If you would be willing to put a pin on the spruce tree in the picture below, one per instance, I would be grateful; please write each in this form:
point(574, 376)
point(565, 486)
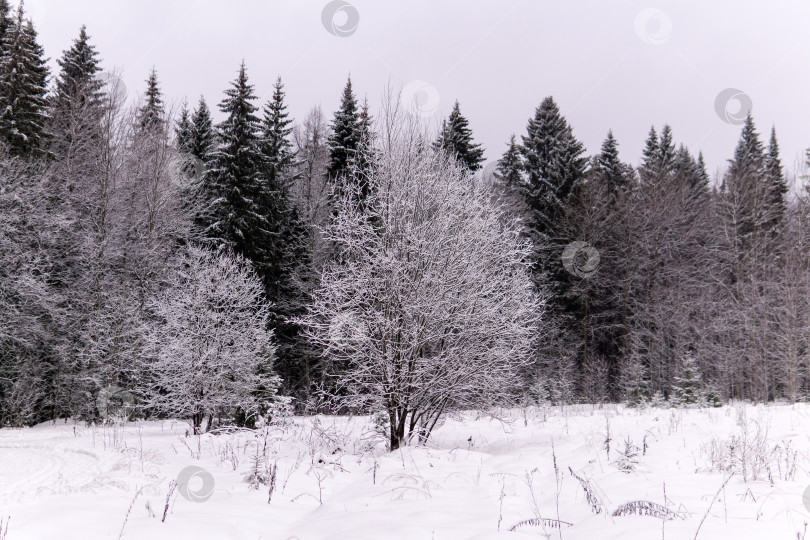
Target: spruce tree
point(238, 220)
point(749, 155)
point(365, 146)
point(684, 166)
point(702, 174)
point(745, 184)
point(554, 175)
point(666, 150)
point(77, 104)
point(201, 144)
point(151, 114)
point(510, 167)
point(202, 139)
point(456, 139)
point(777, 186)
point(182, 129)
point(608, 168)
point(23, 85)
point(554, 167)
point(649, 156)
point(687, 385)
point(343, 143)
point(286, 249)
point(658, 161)
point(634, 382)
point(246, 213)
point(507, 178)
point(276, 129)
point(5, 22)
point(189, 163)
point(77, 85)
point(39, 70)
point(282, 220)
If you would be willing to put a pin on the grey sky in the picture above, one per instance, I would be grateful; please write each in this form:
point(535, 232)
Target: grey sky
point(604, 66)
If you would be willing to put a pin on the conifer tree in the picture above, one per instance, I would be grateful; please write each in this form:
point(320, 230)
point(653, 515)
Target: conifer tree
point(510, 166)
point(634, 382)
point(23, 85)
point(365, 144)
point(5, 22)
point(238, 221)
point(554, 167)
point(151, 114)
point(248, 214)
point(702, 174)
point(182, 129)
point(343, 143)
point(77, 85)
point(684, 166)
point(186, 160)
point(555, 172)
point(508, 181)
point(666, 150)
point(40, 72)
point(777, 186)
point(649, 156)
point(658, 161)
point(276, 129)
point(202, 146)
point(77, 105)
point(687, 385)
point(609, 169)
point(282, 220)
point(745, 187)
point(287, 249)
point(456, 139)
point(749, 155)
point(202, 136)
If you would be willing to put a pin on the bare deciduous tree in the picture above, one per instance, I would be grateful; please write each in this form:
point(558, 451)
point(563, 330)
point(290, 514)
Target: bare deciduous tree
point(210, 349)
point(428, 306)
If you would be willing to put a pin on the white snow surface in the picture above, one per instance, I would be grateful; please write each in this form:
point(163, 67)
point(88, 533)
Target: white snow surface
point(478, 476)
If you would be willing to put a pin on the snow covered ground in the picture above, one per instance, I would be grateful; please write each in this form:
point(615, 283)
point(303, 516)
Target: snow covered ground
point(477, 477)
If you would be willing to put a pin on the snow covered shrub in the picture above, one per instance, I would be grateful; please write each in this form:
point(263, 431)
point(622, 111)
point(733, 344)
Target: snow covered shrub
point(745, 453)
point(435, 279)
point(210, 350)
point(749, 449)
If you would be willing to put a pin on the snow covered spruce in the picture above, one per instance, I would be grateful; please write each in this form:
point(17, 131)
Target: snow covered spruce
point(428, 305)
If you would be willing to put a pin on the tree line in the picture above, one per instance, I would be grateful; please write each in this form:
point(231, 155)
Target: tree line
point(367, 264)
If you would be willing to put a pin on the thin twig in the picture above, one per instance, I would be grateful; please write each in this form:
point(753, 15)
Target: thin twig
point(711, 504)
point(137, 493)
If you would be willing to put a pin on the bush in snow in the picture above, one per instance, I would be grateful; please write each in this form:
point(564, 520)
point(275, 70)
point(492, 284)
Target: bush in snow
point(428, 305)
point(211, 352)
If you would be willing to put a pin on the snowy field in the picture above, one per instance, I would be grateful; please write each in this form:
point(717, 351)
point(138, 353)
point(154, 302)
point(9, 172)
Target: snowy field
point(478, 477)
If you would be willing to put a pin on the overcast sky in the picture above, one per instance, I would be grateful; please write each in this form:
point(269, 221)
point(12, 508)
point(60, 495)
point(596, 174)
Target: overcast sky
point(621, 64)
